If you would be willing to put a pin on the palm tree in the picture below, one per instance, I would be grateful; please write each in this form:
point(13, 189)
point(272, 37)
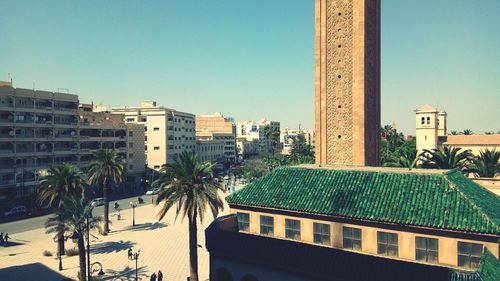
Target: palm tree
point(59, 183)
point(467, 132)
point(272, 135)
point(76, 213)
point(190, 186)
point(486, 165)
point(406, 159)
point(106, 168)
point(446, 158)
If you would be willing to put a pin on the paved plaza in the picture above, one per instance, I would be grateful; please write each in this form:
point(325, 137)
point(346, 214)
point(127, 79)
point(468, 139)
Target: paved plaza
point(164, 246)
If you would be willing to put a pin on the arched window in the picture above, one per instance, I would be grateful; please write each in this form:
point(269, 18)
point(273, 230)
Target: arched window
point(222, 274)
point(249, 277)
point(428, 120)
point(423, 121)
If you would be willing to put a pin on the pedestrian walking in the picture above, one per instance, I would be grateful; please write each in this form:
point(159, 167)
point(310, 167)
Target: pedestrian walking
point(1, 239)
point(160, 275)
point(129, 253)
point(153, 277)
point(6, 238)
point(119, 215)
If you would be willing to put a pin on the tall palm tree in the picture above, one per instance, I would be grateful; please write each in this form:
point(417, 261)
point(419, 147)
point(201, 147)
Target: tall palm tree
point(190, 186)
point(60, 182)
point(487, 164)
point(446, 158)
point(406, 159)
point(106, 168)
point(76, 214)
point(272, 135)
point(467, 132)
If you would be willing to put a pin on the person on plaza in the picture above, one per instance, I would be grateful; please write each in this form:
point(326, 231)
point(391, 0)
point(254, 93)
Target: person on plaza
point(119, 215)
point(129, 253)
point(6, 238)
point(160, 275)
point(1, 239)
point(153, 277)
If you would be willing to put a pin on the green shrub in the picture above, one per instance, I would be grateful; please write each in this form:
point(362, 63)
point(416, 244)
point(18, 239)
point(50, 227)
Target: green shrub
point(71, 252)
point(47, 253)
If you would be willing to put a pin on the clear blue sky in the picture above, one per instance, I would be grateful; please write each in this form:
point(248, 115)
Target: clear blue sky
point(251, 58)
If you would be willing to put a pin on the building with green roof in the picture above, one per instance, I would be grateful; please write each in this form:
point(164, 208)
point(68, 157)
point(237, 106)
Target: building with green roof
point(427, 221)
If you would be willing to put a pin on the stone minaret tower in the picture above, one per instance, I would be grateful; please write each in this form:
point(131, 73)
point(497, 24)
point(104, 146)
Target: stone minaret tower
point(347, 82)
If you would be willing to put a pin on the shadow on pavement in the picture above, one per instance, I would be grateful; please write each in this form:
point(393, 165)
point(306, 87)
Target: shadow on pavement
point(30, 272)
point(128, 273)
point(146, 226)
point(12, 244)
point(111, 246)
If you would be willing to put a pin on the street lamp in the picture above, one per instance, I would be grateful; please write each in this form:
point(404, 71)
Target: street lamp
point(133, 205)
point(135, 256)
point(89, 216)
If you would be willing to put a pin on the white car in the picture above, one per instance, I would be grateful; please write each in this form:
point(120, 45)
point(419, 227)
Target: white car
point(153, 191)
point(16, 211)
point(97, 202)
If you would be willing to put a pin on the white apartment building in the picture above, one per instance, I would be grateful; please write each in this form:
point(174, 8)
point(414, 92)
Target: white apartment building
point(246, 148)
point(255, 130)
point(218, 127)
point(168, 132)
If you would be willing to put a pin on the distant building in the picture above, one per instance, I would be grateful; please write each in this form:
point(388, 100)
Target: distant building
point(246, 148)
point(431, 133)
point(168, 132)
point(357, 223)
point(255, 130)
point(218, 127)
point(210, 150)
point(287, 139)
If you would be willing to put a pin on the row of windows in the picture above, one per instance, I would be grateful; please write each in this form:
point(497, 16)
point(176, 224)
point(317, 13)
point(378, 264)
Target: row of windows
point(426, 249)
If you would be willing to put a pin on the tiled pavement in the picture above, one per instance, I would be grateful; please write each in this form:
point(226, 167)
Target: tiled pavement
point(164, 246)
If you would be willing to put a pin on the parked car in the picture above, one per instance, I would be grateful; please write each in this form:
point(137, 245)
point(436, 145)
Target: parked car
point(153, 191)
point(39, 211)
point(97, 202)
point(16, 211)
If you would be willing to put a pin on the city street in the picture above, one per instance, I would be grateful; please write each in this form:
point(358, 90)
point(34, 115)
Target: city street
point(38, 222)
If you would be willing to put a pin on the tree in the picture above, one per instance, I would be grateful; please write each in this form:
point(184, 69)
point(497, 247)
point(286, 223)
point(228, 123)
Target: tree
point(106, 168)
point(254, 169)
point(391, 140)
point(446, 158)
point(272, 135)
point(301, 152)
point(404, 159)
point(76, 213)
point(486, 165)
point(190, 186)
point(59, 183)
point(467, 132)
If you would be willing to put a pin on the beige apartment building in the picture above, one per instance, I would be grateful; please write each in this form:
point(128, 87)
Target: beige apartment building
point(168, 132)
point(221, 128)
point(431, 133)
point(41, 129)
point(210, 150)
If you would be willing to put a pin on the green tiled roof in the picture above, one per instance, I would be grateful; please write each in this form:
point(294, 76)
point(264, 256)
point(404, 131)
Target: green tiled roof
point(445, 200)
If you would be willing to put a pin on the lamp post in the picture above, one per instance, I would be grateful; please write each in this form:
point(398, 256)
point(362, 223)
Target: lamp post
point(135, 256)
point(133, 205)
point(89, 216)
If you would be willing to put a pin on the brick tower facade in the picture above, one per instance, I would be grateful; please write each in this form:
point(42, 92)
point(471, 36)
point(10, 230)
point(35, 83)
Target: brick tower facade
point(347, 82)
